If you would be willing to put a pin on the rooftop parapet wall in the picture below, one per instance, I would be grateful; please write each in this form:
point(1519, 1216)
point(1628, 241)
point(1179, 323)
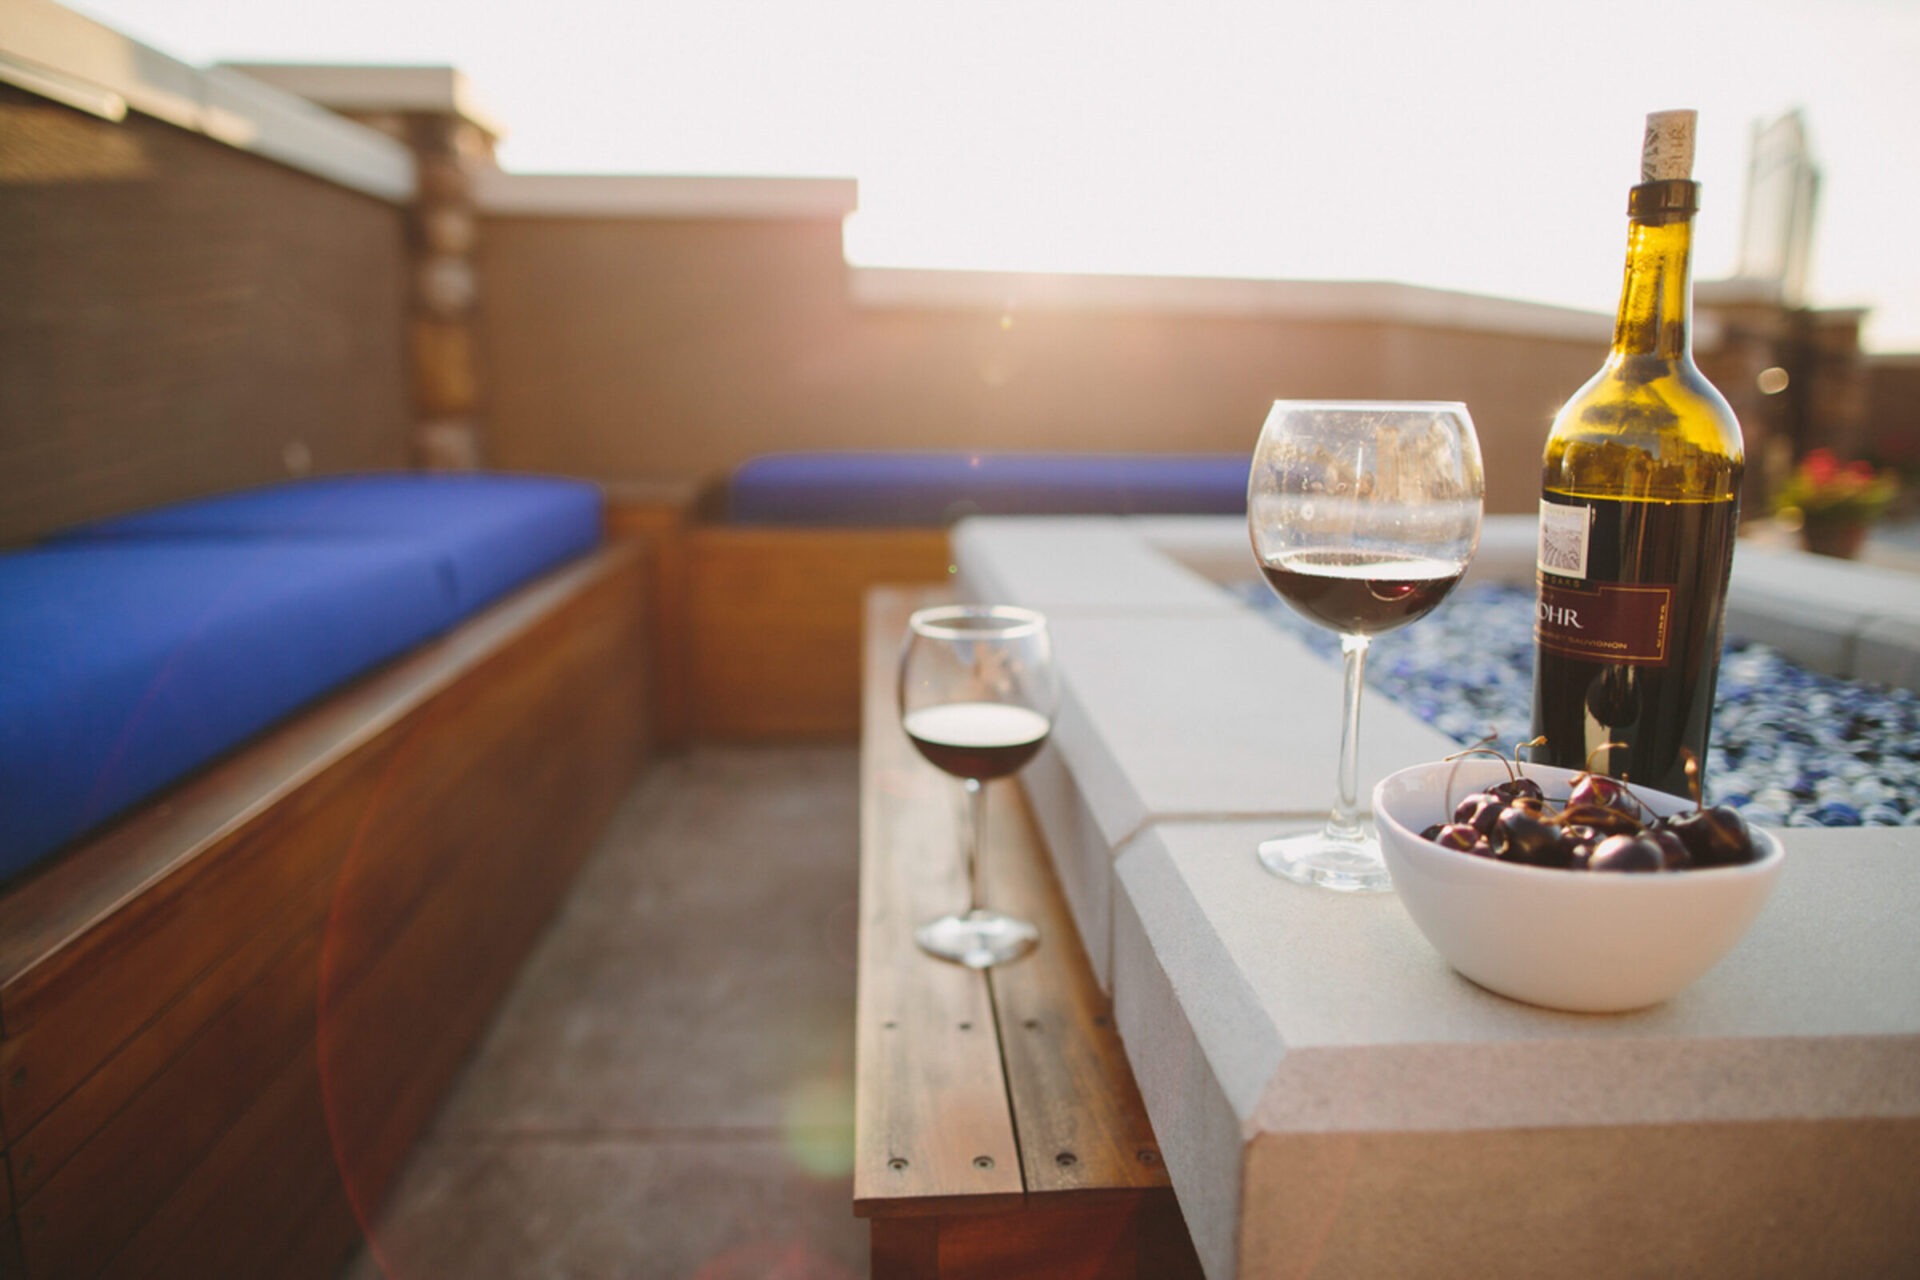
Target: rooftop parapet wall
point(627, 328)
point(205, 279)
point(676, 343)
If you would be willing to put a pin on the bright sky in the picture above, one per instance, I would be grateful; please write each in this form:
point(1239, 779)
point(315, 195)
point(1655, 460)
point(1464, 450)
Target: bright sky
point(1483, 145)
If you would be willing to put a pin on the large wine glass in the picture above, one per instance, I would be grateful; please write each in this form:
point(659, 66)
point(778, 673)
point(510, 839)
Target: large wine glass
point(1363, 516)
point(977, 695)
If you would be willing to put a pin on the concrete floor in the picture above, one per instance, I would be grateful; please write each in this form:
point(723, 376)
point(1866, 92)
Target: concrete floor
point(667, 1090)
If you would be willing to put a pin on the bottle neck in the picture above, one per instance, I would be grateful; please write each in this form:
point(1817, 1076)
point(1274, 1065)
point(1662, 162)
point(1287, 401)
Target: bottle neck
point(1656, 302)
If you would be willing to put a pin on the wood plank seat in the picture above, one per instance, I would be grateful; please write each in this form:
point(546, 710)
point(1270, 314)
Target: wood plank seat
point(998, 1129)
point(225, 1018)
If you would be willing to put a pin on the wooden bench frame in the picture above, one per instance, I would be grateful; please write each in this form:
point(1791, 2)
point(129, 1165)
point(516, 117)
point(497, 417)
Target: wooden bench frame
point(998, 1129)
point(225, 1019)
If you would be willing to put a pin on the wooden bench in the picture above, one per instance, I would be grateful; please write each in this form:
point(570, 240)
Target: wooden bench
point(998, 1129)
point(224, 1019)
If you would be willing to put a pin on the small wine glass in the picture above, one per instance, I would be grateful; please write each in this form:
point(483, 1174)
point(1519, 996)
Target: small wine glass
point(1363, 516)
point(977, 694)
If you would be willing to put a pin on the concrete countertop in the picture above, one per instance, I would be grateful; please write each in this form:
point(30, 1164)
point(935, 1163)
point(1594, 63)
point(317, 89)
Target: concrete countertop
point(1330, 1097)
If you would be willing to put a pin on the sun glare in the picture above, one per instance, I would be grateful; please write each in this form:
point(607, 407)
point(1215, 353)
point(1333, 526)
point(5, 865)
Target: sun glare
point(1479, 146)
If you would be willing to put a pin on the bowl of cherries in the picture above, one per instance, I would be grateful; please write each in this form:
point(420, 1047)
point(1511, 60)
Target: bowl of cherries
point(1568, 889)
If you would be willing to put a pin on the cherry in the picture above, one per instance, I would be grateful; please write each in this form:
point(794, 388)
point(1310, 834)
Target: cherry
point(1457, 835)
point(1480, 811)
point(1517, 788)
point(1575, 846)
point(1716, 837)
point(1601, 791)
point(1674, 854)
point(1519, 836)
point(1626, 853)
point(1535, 805)
point(1602, 826)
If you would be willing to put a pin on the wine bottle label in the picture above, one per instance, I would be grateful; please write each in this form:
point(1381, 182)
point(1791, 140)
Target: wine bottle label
point(1624, 622)
point(1564, 534)
point(1605, 622)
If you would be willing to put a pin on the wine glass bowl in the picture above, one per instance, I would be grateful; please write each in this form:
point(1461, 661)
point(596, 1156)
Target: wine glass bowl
point(977, 693)
point(1363, 515)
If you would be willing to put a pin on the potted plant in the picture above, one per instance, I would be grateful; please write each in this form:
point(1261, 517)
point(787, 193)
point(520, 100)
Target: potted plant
point(1834, 502)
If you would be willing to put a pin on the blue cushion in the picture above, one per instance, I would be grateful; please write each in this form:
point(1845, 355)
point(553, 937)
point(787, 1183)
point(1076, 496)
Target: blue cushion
point(125, 664)
point(938, 488)
point(492, 532)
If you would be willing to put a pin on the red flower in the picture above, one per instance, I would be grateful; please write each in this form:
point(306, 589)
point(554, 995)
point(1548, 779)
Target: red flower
point(1820, 467)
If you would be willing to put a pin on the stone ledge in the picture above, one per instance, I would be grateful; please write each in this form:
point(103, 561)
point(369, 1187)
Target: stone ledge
point(580, 195)
point(100, 68)
point(1266, 1021)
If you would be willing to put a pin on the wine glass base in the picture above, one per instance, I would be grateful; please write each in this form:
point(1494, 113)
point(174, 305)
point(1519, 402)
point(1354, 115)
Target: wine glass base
point(978, 939)
point(1350, 866)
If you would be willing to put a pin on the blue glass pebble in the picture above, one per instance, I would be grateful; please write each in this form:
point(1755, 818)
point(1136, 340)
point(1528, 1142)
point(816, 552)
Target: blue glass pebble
point(1791, 746)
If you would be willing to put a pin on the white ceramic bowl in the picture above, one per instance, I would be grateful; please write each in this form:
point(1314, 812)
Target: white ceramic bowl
point(1589, 941)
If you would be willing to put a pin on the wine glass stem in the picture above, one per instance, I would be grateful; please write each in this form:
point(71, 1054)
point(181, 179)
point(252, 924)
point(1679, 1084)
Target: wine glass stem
point(976, 840)
point(1344, 824)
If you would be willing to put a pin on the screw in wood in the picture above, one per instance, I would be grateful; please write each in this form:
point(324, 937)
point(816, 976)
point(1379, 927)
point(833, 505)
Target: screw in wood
point(983, 1162)
point(966, 1026)
point(897, 1164)
point(1149, 1157)
point(1031, 1024)
point(1066, 1159)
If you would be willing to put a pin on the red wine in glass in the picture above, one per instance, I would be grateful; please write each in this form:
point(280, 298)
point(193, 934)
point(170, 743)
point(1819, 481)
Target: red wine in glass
point(1361, 592)
point(979, 740)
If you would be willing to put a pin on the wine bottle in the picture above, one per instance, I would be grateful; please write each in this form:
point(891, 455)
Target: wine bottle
point(1639, 507)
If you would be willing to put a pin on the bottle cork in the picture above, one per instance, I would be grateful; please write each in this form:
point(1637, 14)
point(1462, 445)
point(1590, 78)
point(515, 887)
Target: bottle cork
point(1667, 151)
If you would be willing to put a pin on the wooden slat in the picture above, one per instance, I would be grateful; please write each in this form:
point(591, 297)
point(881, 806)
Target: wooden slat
point(12, 1267)
point(1094, 1200)
point(67, 1017)
point(86, 1211)
point(275, 1157)
point(1082, 1123)
point(932, 1128)
point(45, 1148)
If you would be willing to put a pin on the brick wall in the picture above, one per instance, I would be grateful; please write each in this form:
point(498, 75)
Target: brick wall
point(179, 317)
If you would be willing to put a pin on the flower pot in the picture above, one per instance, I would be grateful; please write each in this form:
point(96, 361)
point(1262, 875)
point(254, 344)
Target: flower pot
point(1839, 538)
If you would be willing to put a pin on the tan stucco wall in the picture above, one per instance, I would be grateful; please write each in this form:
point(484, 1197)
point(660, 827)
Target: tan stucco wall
point(675, 348)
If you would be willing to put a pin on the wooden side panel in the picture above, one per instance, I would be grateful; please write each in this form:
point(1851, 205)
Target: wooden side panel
point(773, 623)
point(11, 1265)
point(44, 1148)
point(1115, 1238)
point(86, 1211)
point(273, 1165)
point(549, 753)
point(68, 1014)
point(325, 1020)
point(931, 1117)
point(660, 521)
